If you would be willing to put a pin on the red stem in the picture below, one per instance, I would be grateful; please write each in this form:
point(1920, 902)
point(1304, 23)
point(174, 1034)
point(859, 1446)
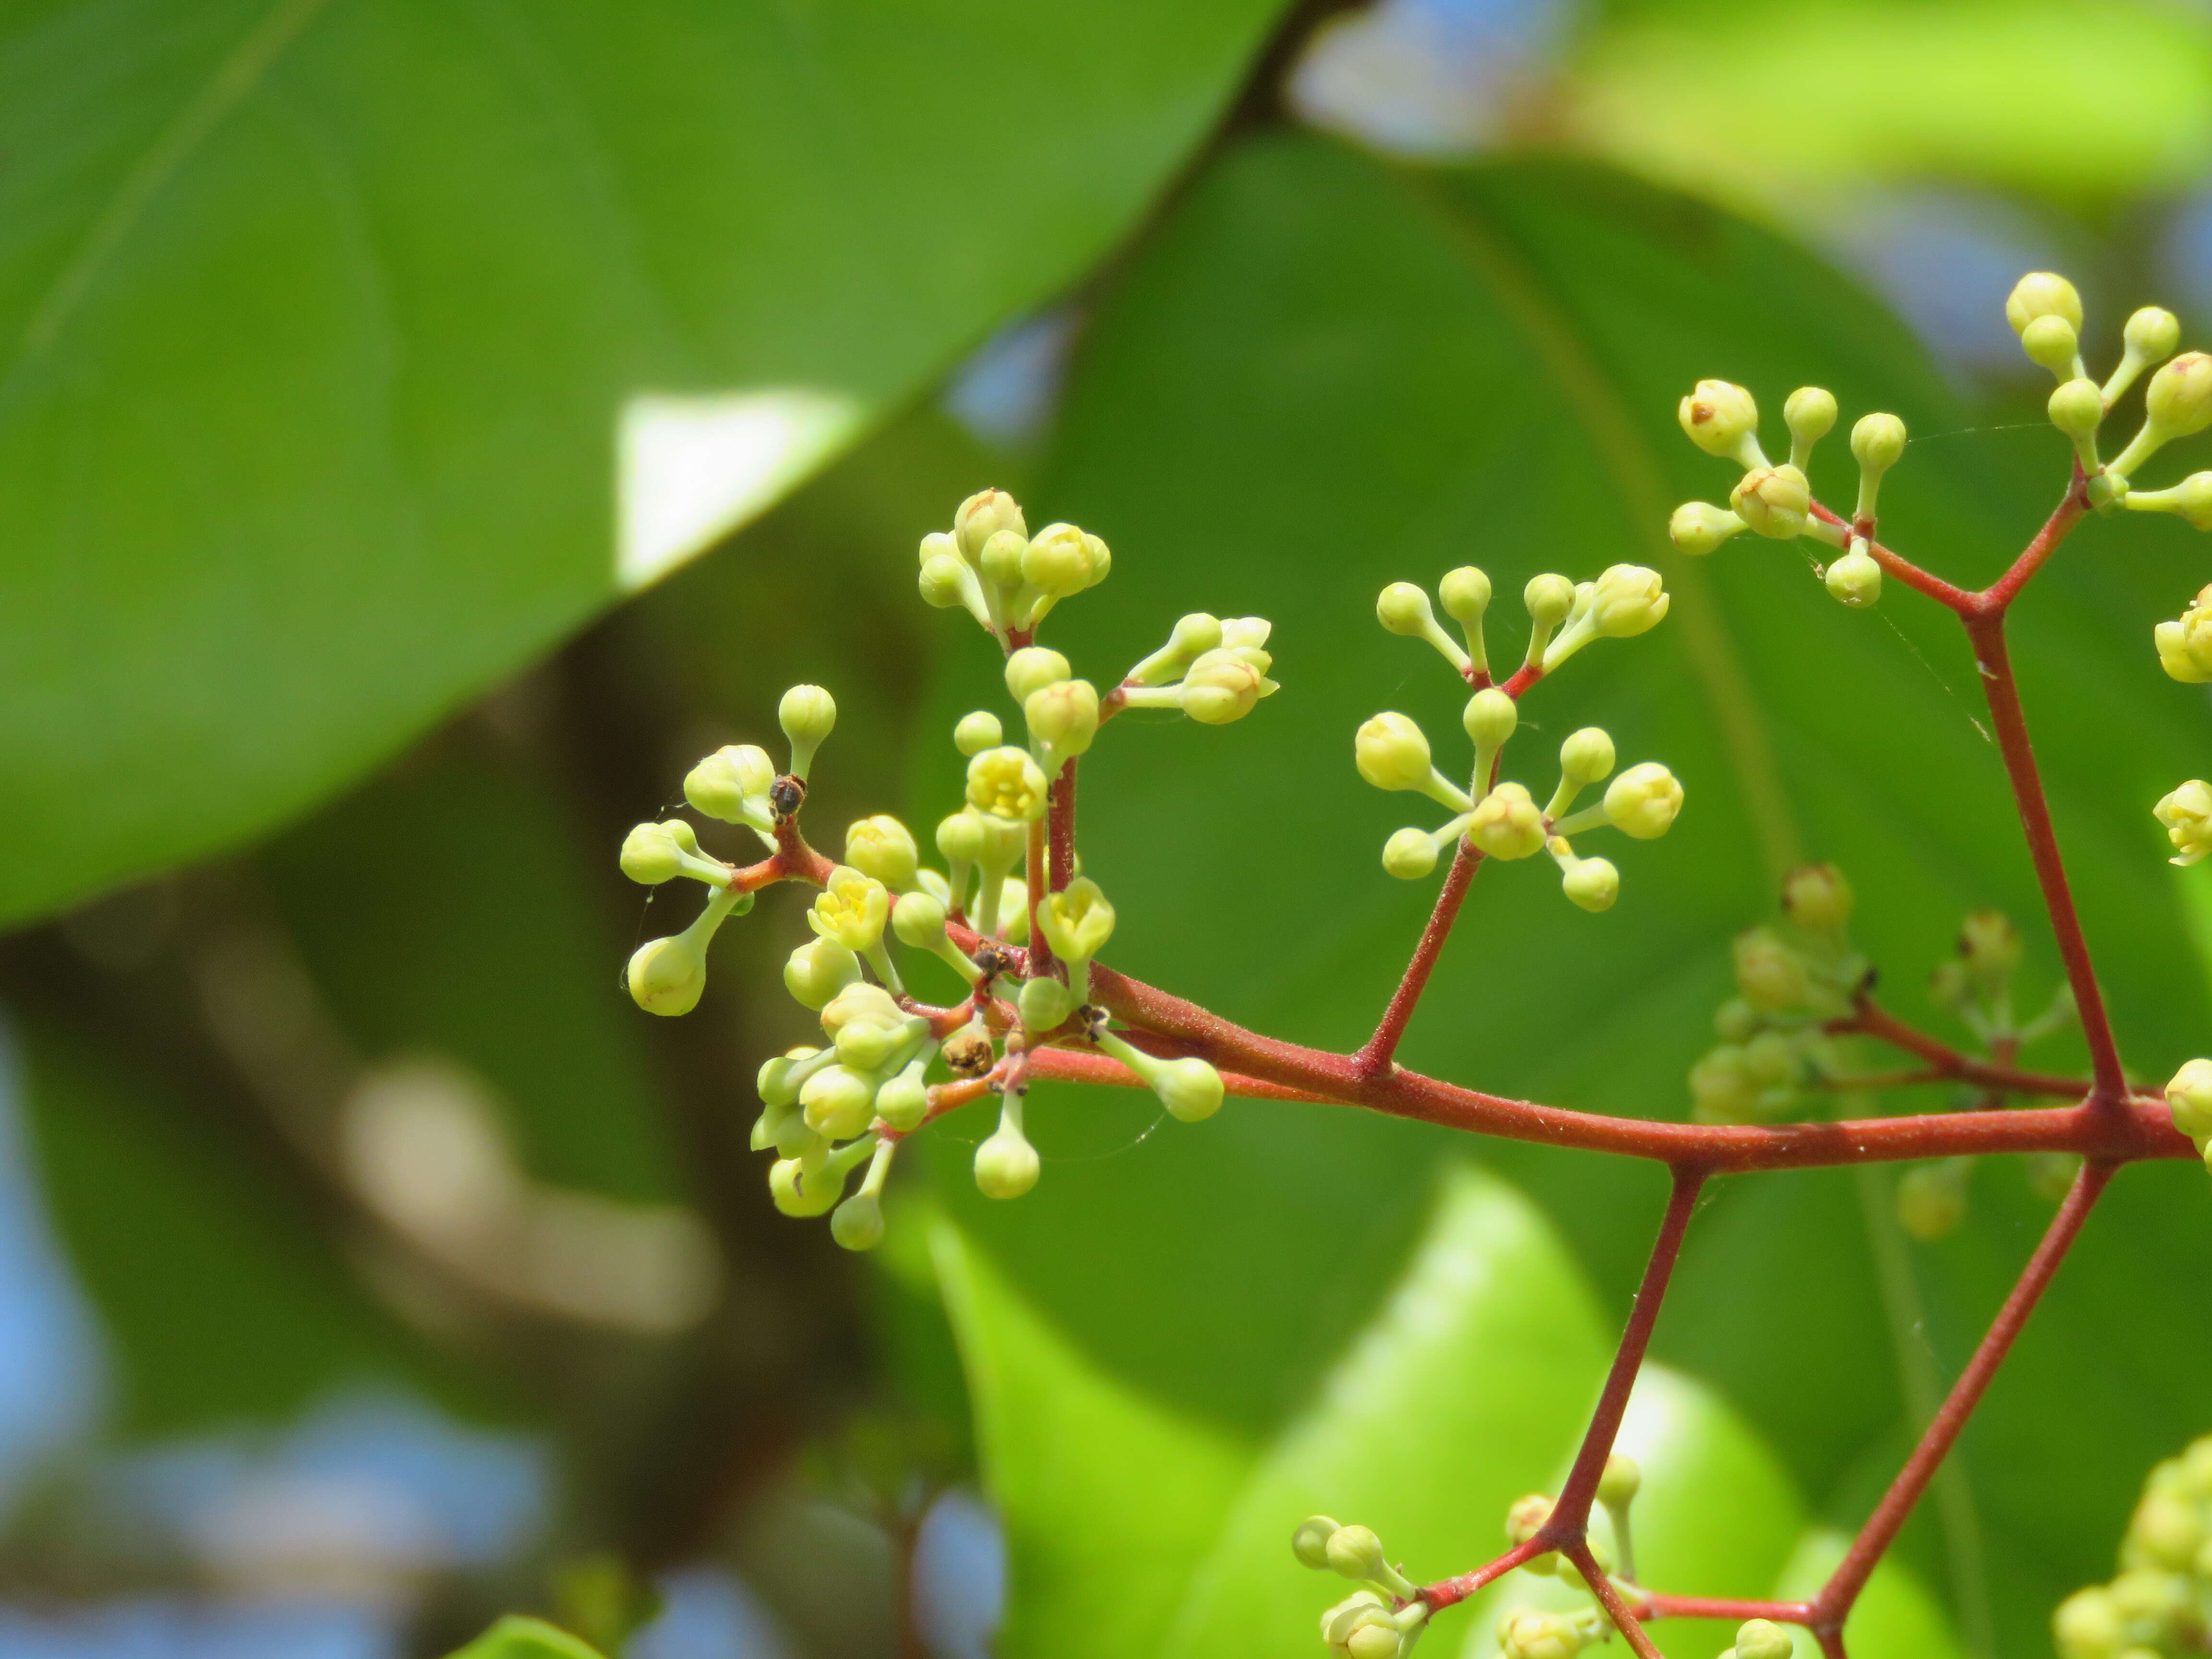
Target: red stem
point(1060, 818)
point(1871, 1019)
point(1376, 1056)
point(1833, 1604)
point(1609, 1598)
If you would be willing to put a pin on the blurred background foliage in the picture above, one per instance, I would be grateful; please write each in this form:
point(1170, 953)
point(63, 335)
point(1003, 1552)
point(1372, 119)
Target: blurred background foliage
point(429, 431)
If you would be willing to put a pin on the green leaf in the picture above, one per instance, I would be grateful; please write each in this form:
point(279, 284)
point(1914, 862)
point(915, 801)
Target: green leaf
point(1327, 373)
point(332, 329)
point(517, 1637)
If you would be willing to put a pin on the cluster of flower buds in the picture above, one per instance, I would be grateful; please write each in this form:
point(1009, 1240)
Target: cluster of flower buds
point(1385, 1616)
point(1776, 500)
point(2189, 1098)
point(829, 1110)
point(1006, 577)
point(1501, 819)
point(2160, 1603)
point(1792, 979)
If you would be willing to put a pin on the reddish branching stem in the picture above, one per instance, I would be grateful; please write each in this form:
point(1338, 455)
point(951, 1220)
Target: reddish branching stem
point(1375, 1058)
point(1871, 1019)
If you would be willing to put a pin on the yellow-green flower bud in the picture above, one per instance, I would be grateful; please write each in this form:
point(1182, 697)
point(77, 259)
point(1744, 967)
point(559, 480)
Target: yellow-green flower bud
point(1761, 1638)
point(1548, 599)
point(1736, 1020)
point(1490, 717)
point(1989, 944)
point(1402, 608)
point(1000, 560)
point(904, 1102)
point(1854, 579)
point(1044, 1003)
point(963, 837)
point(1006, 1164)
point(852, 909)
point(2191, 499)
point(1629, 600)
point(1007, 784)
point(1224, 685)
point(2077, 409)
point(1392, 753)
point(2180, 397)
point(838, 1102)
point(1771, 976)
point(872, 1046)
point(2042, 294)
point(1032, 668)
point(1587, 756)
point(1591, 884)
point(1643, 801)
point(883, 848)
point(2087, 1625)
point(778, 1079)
point(1931, 1199)
point(1309, 1543)
point(2187, 815)
point(1192, 638)
point(1062, 560)
point(1699, 527)
point(1878, 442)
point(2052, 343)
point(1623, 1477)
point(1189, 1088)
point(1356, 1553)
point(859, 1001)
point(655, 853)
point(1077, 921)
point(804, 1194)
point(1506, 824)
point(946, 580)
point(2165, 1532)
point(1772, 500)
point(807, 713)
point(1360, 1627)
point(1810, 415)
point(1718, 416)
point(1409, 855)
point(2189, 1097)
point(818, 971)
point(1063, 718)
point(983, 515)
point(918, 921)
point(2152, 333)
point(1722, 1089)
point(733, 784)
point(668, 975)
point(1817, 895)
point(857, 1223)
point(1466, 594)
point(1526, 1516)
point(978, 730)
point(1534, 1633)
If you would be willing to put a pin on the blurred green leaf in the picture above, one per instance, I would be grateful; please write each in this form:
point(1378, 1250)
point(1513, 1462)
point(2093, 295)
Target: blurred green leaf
point(334, 326)
point(1327, 373)
point(517, 1637)
point(2094, 100)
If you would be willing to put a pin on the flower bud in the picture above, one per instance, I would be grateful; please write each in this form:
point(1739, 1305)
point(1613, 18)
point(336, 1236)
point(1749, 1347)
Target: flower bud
point(2179, 397)
point(904, 1102)
point(1736, 1020)
point(2189, 1097)
point(1629, 600)
point(817, 972)
point(2152, 333)
point(1592, 884)
point(1189, 1088)
point(918, 921)
point(1810, 415)
point(883, 848)
point(1718, 416)
point(1506, 823)
point(733, 784)
point(1772, 500)
point(944, 581)
point(1000, 560)
point(653, 852)
point(2051, 342)
point(1224, 685)
point(1989, 944)
point(1356, 1554)
point(851, 909)
point(1549, 597)
point(1060, 560)
point(778, 1079)
point(1077, 920)
point(1536, 1634)
point(1409, 855)
point(1587, 756)
point(1032, 668)
point(1044, 1003)
point(2087, 1625)
point(803, 1193)
point(977, 732)
point(1490, 717)
point(1392, 753)
point(1360, 1627)
point(838, 1101)
point(1309, 1543)
point(1817, 895)
point(1771, 976)
point(2187, 815)
point(1878, 442)
point(1006, 783)
point(2191, 499)
point(1402, 608)
point(2165, 1532)
point(1761, 1638)
point(1854, 579)
point(983, 515)
point(2077, 409)
point(806, 713)
point(1005, 1163)
point(1642, 802)
point(857, 1223)
point(1699, 526)
point(1063, 717)
point(668, 975)
point(1722, 1089)
point(2042, 293)
point(963, 837)
point(1622, 1479)
point(1465, 593)
point(1192, 637)
point(1931, 1199)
